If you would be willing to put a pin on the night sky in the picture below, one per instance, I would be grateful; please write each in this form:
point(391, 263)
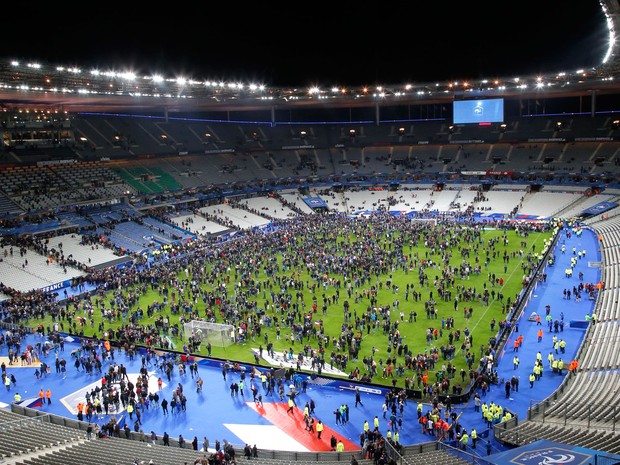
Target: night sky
point(301, 45)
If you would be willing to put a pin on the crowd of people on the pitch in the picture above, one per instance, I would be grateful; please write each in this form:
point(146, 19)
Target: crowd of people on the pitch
point(283, 307)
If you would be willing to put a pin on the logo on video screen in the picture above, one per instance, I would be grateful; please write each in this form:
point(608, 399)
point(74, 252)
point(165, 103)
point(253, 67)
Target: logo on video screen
point(478, 110)
point(551, 456)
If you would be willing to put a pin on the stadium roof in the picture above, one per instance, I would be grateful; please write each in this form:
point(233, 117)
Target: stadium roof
point(72, 89)
point(75, 90)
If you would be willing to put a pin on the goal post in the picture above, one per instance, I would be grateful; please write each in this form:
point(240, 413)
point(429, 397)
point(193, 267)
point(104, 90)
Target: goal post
point(202, 332)
point(425, 221)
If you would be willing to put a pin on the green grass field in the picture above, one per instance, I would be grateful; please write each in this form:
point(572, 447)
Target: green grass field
point(316, 266)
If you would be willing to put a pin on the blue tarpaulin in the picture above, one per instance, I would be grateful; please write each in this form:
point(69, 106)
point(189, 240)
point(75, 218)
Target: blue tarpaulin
point(549, 452)
point(599, 208)
point(315, 202)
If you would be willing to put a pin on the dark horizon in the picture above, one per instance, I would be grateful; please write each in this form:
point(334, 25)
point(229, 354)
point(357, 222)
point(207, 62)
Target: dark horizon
point(341, 45)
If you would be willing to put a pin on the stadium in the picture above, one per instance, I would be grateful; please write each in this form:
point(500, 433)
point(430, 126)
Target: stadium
point(445, 242)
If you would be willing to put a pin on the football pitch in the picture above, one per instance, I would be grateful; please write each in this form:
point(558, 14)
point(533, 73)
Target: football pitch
point(364, 298)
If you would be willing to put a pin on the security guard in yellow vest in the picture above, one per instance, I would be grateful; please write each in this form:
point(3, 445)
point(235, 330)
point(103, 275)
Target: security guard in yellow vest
point(474, 436)
point(464, 440)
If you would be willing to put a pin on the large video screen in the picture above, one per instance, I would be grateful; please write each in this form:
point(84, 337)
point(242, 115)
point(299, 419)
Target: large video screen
point(478, 111)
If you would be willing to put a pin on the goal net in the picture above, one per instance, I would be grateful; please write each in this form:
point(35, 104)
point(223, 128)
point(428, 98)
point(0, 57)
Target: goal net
point(202, 332)
point(425, 221)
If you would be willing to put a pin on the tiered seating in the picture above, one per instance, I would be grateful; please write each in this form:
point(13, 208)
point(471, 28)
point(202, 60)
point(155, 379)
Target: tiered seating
point(19, 179)
point(499, 156)
point(547, 204)
point(164, 228)
point(504, 201)
point(528, 432)
point(367, 200)
point(85, 174)
point(322, 460)
point(323, 161)
point(406, 158)
point(294, 198)
point(381, 160)
point(348, 161)
point(42, 187)
point(424, 130)
point(412, 198)
point(583, 399)
point(443, 200)
point(249, 168)
point(584, 203)
point(597, 357)
point(269, 206)
point(187, 171)
point(87, 254)
point(475, 156)
point(579, 157)
point(465, 198)
point(336, 201)
point(188, 136)
point(99, 136)
point(608, 153)
point(430, 452)
point(30, 437)
point(74, 219)
point(235, 216)
point(124, 243)
point(38, 273)
point(44, 151)
point(8, 206)
point(435, 157)
point(140, 178)
point(582, 127)
point(112, 451)
point(198, 224)
point(134, 237)
point(440, 457)
point(20, 434)
point(104, 216)
point(285, 163)
point(34, 438)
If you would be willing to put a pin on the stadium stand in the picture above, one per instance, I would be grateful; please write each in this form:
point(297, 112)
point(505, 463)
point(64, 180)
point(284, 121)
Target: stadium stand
point(104, 189)
point(579, 412)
